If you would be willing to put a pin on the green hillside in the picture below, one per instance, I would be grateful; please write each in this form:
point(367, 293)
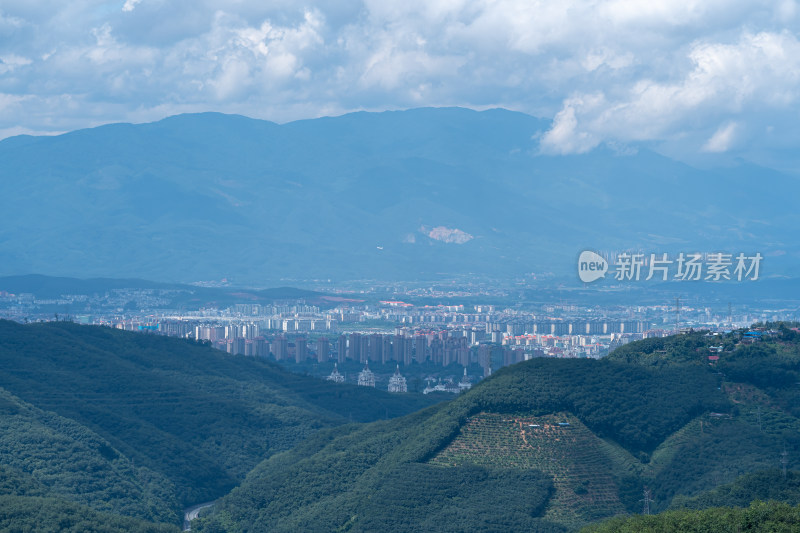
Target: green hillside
point(571, 456)
point(484, 427)
point(373, 477)
point(108, 426)
point(25, 513)
point(28, 505)
point(45, 454)
point(657, 416)
point(141, 425)
point(764, 485)
point(772, 517)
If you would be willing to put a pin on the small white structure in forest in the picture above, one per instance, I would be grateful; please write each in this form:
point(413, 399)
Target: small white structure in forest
point(397, 383)
point(465, 383)
point(366, 378)
point(335, 376)
point(447, 386)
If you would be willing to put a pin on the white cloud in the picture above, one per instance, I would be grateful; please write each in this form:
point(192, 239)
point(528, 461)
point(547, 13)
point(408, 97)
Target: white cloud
point(12, 62)
point(564, 136)
point(9, 100)
point(722, 139)
point(13, 132)
point(759, 73)
point(232, 80)
point(130, 5)
point(615, 72)
point(608, 58)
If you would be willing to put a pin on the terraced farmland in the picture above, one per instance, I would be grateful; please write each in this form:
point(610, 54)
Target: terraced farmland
point(575, 457)
point(667, 450)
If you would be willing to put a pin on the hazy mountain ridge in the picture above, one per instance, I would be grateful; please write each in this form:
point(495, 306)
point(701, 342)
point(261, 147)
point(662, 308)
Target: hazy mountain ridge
point(209, 196)
point(179, 294)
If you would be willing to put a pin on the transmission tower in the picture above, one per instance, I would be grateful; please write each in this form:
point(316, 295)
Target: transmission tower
point(677, 315)
point(784, 460)
point(647, 500)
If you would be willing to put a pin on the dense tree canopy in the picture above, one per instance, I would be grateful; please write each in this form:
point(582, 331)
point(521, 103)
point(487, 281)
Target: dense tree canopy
point(142, 425)
point(99, 424)
point(775, 517)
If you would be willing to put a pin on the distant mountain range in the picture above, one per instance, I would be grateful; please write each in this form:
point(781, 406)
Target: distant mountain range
point(180, 295)
point(423, 193)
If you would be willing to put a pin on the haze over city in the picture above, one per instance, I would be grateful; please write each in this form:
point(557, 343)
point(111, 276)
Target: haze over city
point(445, 265)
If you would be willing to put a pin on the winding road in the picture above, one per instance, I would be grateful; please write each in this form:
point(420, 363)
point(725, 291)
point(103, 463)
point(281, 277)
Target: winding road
point(190, 513)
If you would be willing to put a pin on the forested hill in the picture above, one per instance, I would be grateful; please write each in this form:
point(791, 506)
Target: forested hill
point(113, 427)
point(737, 506)
point(763, 485)
point(141, 425)
point(760, 516)
point(765, 357)
point(597, 433)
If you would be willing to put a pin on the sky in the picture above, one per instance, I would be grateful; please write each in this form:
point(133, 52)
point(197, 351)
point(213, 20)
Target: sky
point(689, 78)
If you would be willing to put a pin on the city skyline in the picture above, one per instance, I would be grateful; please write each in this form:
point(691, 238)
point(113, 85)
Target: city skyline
point(432, 265)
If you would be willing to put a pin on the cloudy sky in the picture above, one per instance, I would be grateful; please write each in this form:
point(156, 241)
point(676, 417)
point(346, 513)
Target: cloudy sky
point(687, 77)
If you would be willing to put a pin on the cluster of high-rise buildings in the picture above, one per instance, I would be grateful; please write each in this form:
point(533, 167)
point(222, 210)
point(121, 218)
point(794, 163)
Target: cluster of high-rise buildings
point(442, 335)
point(395, 331)
point(387, 334)
point(442, 347)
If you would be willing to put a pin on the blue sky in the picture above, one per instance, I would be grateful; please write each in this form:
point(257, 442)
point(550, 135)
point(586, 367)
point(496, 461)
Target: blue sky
point(691, 78)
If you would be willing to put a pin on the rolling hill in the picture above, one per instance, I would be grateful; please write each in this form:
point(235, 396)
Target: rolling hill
point(102, 426)
point(598, 433)
point(28, 505)
point(49, 455)
point(760, 516)
point(141, 426)
point(762, 485)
